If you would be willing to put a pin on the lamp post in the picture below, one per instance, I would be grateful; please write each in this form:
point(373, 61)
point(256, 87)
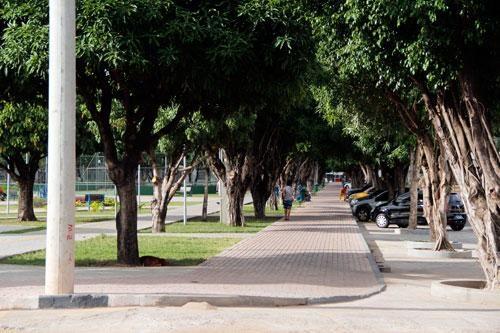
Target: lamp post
point(184, 219)
point(60, 261)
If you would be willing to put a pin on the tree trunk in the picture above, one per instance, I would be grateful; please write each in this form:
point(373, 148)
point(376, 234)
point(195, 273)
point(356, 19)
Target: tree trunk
point(475, 164)
point(259, 206)
point(165, 188)
point(235, 195)
point(261, 188)
point(205, 196)
point(414, 181)
point(437, 186)
point(126, 221)
point(25, 211)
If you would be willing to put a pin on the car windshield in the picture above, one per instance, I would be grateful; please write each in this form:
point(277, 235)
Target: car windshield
point(383, 196)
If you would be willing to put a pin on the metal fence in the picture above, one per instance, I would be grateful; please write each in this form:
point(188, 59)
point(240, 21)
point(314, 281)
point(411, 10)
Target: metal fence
point(92, 178)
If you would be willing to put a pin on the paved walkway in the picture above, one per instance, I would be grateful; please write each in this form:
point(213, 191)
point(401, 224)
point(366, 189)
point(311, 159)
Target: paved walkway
point(318, 256)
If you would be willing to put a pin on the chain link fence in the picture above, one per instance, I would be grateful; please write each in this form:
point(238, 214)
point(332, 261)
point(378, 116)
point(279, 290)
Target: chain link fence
point(92, 178)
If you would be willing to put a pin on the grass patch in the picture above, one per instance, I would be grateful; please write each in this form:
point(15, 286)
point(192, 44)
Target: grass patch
point(212, 225)
point(101, 251)
point(248, 210)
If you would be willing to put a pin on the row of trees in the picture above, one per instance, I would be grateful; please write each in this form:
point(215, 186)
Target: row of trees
point(435, 65)
point(173, 76)
point(406, 87)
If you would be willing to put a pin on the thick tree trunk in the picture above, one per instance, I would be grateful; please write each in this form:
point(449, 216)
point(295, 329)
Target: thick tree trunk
point(233, 169)
point(435, 196)
point(158, 217)
point(261, 188)
point(126, 221)
point(25, 211)
point(204, 209)
point(235, 195)
point(414, 181)
point(475, 164)
point(259, 206)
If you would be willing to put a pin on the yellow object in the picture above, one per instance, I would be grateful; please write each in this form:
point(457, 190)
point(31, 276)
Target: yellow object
point(359, 196)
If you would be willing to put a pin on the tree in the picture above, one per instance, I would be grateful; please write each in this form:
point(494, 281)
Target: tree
point(175, 147)
point(23, 117)
point(408, 47)
point(23, 145)
point(133, 58)
point(274, 78)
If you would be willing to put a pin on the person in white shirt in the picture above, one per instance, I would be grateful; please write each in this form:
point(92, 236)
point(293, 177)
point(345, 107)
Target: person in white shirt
point(288, 198)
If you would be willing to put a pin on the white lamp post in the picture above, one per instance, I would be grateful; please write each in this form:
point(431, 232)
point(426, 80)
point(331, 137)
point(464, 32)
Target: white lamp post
point(60, 260)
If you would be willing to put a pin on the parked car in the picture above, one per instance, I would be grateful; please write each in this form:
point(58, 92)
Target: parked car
point(357, 190)
point(363, 194)
point(398, 212)
point(363, 208)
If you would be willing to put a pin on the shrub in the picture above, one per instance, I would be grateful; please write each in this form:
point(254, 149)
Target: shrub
point(79, 203)
point(109, 202)
point(96, 206)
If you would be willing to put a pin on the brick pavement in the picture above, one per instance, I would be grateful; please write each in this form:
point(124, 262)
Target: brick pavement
point(319, 255)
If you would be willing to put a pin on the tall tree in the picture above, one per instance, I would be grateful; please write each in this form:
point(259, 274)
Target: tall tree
point(23, 145)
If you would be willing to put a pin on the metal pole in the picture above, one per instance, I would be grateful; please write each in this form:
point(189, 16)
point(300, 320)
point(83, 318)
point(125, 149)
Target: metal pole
point(139, 187)
point(60, 260)
point(8, 193)
point(185, 198)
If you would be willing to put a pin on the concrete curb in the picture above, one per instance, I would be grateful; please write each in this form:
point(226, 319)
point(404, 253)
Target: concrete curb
point(373, 264)
point(426, 253)
point(73, 301)
point(416, 232)
point(465, 291)
point(412, 244)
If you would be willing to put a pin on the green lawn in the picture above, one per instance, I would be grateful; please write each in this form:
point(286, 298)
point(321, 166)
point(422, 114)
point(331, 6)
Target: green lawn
point(214, 226)
point(101, 251)
point(193, 225)
point(82, 216)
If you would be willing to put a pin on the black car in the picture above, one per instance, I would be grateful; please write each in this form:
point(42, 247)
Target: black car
point(363, 208)
point(398, 212)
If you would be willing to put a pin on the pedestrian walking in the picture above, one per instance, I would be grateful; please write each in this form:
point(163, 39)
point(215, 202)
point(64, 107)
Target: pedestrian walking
point(288, 196)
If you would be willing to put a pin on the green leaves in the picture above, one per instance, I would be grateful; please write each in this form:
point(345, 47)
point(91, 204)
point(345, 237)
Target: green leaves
point(24, 128)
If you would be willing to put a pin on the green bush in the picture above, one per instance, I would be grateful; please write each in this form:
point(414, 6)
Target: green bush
point(96, 206)
point(109, 202)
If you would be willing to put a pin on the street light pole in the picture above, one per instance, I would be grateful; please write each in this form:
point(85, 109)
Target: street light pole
point(60, 260)
point(139, 188)
point(184, 194)
point(8, 193)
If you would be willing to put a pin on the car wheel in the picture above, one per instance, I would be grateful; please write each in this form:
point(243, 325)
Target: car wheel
point(363, 214)
point(382, 221)
point(457, 226)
